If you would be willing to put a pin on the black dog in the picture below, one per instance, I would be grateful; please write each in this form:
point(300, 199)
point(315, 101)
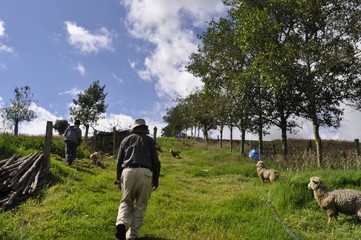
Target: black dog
point(175, 153)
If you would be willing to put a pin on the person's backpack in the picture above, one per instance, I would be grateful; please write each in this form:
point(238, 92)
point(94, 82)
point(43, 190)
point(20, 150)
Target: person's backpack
point(72, 135)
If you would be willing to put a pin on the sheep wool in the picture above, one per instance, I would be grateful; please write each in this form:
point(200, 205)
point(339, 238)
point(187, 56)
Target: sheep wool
point(345, 201)
point(270, 174)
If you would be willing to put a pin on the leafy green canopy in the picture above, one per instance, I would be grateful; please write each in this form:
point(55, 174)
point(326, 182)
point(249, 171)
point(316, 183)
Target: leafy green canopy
point(90, 105)
point(19, 108)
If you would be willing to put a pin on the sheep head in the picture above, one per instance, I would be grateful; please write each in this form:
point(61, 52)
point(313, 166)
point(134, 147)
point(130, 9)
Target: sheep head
point(259, 164)
point(315, 183)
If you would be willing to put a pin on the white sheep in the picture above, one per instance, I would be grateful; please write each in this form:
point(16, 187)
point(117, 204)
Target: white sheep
point(345, 201)
point(264, 173)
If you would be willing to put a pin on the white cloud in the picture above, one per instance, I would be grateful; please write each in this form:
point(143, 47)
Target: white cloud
point(2, 28)
point(3, 47)
point(86, 42)
point(167, 26)
point(73, 92)
point(348, 130)
point(118, 79)
point(119, 121)
point(6, 49)
point(132, 64)
point(350, 126)
point(38, 125)
point(80, 68)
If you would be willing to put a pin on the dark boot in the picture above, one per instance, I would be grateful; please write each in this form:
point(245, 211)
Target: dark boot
point(120, 232)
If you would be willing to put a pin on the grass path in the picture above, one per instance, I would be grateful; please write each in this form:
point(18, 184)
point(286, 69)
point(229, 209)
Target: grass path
point(207, 194)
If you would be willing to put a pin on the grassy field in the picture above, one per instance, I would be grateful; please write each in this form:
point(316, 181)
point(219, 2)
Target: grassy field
point(209, 193)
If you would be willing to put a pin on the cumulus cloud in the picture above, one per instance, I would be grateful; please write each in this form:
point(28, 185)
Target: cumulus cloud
point(6, 49)
point(38, 125)
point(119, 121)
point(167, 25)
point(80, 68)
point(86, 42)
point(2, 28)
point(73, 92)
point(3, 47)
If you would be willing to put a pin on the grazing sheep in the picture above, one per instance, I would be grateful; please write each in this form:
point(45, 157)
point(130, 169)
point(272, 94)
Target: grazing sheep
point(175, 153)
point(270, 174)
point(97, 158)
point(346, 201)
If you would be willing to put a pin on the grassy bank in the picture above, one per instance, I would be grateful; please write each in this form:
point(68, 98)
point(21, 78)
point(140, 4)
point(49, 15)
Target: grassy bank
point(209, 193)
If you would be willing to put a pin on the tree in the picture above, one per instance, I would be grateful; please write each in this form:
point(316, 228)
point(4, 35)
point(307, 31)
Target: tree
point(19, 109)
point(219, 62)
point(203, 112)
point(89, 106)
point(272, 63)
point(176, 120)
point(61, 125)
point(314, 44)
point(327, 41)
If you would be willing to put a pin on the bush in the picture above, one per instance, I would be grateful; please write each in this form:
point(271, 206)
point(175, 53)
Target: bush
point(23, 144)
point(6, 149)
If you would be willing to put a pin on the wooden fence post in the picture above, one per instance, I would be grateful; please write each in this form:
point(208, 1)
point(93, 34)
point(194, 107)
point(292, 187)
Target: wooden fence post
point(94, 140)
point(357, 147)
point(47, 145)
point(115, 152)
point(155, 133)
point(309, 146)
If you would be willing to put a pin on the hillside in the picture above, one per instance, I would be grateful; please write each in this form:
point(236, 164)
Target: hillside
point(208, 193)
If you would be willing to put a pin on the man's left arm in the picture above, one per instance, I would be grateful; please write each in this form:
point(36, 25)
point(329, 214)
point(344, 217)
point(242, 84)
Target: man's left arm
point(155, 166)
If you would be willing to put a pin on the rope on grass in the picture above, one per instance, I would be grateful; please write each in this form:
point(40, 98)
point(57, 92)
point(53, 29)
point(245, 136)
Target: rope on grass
point(288, 230)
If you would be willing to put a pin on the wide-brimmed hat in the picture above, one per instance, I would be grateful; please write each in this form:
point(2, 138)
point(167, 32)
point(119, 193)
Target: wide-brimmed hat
point(137, 123)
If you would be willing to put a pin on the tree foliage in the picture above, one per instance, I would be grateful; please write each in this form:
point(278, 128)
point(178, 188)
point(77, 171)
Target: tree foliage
point(61, 125)
point(89, 106)
point(19, 109)
point(278, 60)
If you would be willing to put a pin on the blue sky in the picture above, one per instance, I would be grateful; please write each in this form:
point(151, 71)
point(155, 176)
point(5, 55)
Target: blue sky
point(136, 48)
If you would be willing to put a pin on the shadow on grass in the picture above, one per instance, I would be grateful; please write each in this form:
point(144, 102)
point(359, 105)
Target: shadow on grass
point(151, 238)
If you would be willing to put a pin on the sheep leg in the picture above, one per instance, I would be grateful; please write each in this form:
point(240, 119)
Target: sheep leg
point(262, 179)
point(331, 215)
point(359, 214)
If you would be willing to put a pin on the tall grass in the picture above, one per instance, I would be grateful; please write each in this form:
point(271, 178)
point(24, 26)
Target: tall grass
point(208, 193)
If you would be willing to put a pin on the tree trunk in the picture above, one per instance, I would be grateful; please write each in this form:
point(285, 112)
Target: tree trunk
point(16, 128)
point(243, 140)
point(260, 138)
point(284, 142)
point(231, 136)
point(319, 148)
point(86, 132)
point(221, 133)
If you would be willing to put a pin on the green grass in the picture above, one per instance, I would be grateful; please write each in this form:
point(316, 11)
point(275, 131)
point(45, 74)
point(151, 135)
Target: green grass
point(209, 193)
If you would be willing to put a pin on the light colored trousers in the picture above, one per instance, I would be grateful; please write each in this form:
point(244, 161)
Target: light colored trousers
point(136, 186)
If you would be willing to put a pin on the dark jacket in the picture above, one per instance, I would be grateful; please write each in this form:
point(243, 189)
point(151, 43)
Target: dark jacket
point(73, 134)
point(138, 149)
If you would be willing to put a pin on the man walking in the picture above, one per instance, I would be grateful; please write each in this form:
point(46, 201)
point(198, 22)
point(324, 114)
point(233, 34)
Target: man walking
point(138, 169)
point(73, 140)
